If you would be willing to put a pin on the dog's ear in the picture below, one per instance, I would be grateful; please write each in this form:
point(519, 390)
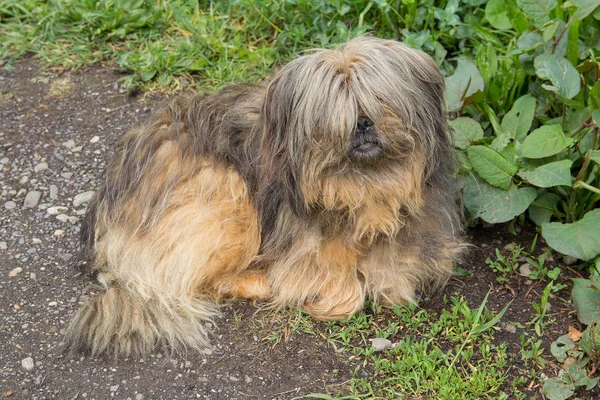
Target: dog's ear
point(278, 180)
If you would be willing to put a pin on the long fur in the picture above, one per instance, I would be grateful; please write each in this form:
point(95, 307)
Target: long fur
point(268, 193)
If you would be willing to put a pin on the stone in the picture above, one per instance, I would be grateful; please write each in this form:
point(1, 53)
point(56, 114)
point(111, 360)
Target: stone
point(381, 344)
point(568, 260)
point(32, 199)
point(41, 167)
point(95, 139)
point(9, 205)
point(525, 269)
point(15, 271)
point(82, 198)
point(54, 192)
point(56, 210)
point(27, 364)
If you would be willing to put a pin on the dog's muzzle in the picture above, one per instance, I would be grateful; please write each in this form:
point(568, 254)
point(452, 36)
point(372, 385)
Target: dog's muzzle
point(365, 147)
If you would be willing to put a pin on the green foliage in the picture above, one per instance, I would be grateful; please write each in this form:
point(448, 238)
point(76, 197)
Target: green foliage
point(450, 355)
point(580, 354)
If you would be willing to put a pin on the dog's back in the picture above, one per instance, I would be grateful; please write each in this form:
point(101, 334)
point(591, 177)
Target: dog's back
point(172, 201)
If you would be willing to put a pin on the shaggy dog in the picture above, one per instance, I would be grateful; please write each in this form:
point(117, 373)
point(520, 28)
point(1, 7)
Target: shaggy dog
point(330, 185)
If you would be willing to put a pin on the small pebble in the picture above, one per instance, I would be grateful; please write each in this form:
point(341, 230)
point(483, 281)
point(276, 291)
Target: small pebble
point(56, 210)
point(9, 205)
point(95, 139)
point(568, 260)
point(114, 388)
point(139, 396)
point(381, 344)
point(62, 217)
point(32, 199)
point(36, 241)
point(15, 271)
point(510, 328)
point(525, 269)
point(510, 246)
point(69, 144)
point(54, 192)
point(23, 180)
point(59, 232)
point(82, 198)
point(3, 246)
point(27, 364)
point(41, 167)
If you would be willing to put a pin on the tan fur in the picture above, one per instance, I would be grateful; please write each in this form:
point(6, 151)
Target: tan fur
point(330, 185)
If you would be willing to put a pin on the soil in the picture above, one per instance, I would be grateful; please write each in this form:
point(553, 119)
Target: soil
point(70, 121)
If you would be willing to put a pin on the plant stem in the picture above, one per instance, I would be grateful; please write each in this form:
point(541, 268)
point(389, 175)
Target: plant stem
point(581, 184)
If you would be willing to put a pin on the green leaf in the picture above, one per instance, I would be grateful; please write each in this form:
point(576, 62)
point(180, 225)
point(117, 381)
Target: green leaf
point(466, 131)
point(557, 389)
point(585, 8)
point(596, 117)
point(561, 347)
point(497, 14)
point(556, 173)
point(537, 10)
point(518, 120)
point(492, 166)
point(495, 205)
point(558, 70)
point(594, 98)
point(586, 298)
point(545, 141)
point(542, 209)
point(595, 156)
point(465, 82)
point(578, 239)
point(590, 340)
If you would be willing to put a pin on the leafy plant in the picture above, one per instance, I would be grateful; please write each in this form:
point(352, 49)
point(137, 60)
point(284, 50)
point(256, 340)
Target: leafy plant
point(579, 352)
point(538, 157)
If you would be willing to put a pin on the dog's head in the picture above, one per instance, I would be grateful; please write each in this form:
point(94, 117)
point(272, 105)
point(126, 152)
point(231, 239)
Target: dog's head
point(361, 123)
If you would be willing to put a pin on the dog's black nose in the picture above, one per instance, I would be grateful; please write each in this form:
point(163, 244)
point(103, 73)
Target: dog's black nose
point(362, 125)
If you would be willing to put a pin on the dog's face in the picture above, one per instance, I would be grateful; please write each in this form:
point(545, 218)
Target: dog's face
point(369, 112)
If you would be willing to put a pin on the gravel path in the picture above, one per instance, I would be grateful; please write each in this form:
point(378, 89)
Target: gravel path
point(56, 134)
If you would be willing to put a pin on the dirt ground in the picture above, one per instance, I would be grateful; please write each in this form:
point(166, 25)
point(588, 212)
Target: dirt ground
point(57, 132)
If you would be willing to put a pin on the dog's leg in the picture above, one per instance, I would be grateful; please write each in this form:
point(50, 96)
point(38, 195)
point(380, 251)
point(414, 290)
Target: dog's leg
point(319, 276)
point(395, 270)
point(250, 284)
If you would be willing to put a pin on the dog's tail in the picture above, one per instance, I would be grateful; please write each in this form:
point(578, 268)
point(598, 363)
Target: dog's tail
point(120, 322)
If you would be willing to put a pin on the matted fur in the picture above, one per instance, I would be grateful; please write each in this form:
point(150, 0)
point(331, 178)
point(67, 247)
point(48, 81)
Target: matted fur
point(331, 184)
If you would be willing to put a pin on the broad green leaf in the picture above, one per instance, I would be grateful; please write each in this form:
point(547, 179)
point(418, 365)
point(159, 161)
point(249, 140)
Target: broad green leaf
point(596, 117)
point(545, 141)
point(586, 298)
point(463, 159)
point(497, 14)
point(537, 10)
point(585, 8)
point(466, 131)
point(495, 205)
point(558, 70)
point(518, 120)
point(465, 82)
point(594, 98)
point(596, 156)
point(542, 209)
point(561, 347)
point(590, 340)
point(557, 389)
point(529, 40)
point(492, 166)
point(556, 173)
point(578, 239)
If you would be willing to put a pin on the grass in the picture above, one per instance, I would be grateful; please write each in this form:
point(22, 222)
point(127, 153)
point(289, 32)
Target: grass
point(168, 44)
point(448, 355)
